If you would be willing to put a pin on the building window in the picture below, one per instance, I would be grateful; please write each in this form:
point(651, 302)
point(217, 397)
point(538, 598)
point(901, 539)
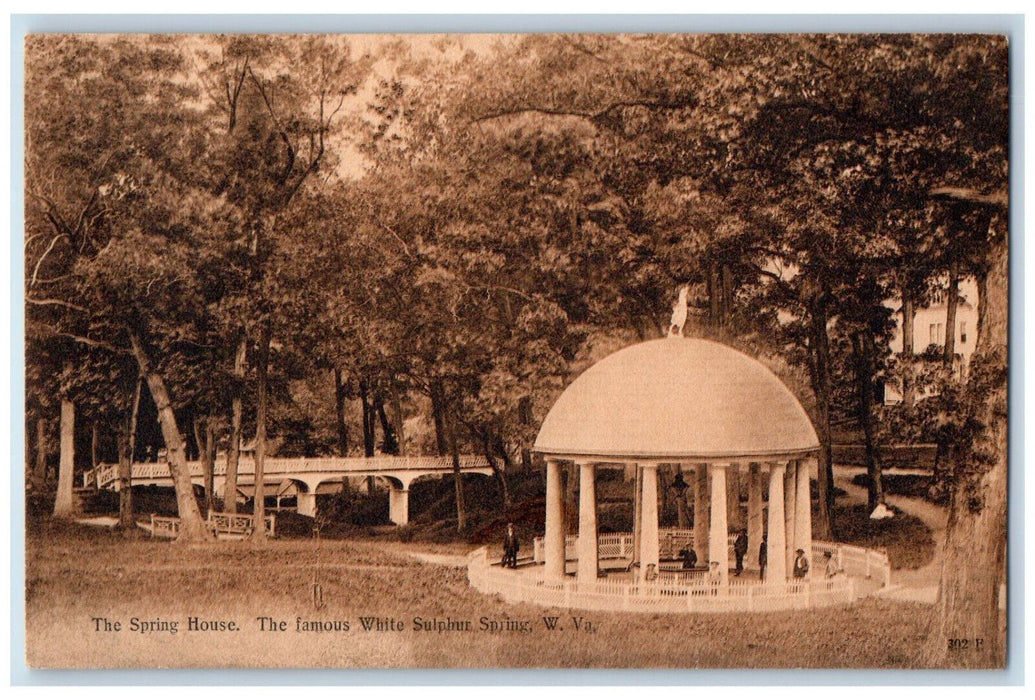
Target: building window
point(963, 331)
point(937, 331)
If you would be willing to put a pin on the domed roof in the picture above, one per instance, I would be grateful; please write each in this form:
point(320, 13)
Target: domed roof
point(677, 397)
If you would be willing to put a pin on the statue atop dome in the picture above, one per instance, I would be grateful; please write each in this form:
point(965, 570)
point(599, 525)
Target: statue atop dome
point(679, 311)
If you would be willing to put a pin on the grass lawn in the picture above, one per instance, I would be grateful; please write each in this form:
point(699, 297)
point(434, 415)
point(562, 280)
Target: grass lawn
point(77, 574)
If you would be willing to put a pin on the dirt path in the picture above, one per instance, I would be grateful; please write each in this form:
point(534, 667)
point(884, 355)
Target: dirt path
point(456, 561)
point(919, 585)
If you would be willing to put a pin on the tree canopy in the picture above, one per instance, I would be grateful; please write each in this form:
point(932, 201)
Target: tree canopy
point(447, 231)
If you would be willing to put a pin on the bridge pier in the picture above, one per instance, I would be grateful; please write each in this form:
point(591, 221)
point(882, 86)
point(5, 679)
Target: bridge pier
point(398, 504)
point(306, 504)
point(309, 473)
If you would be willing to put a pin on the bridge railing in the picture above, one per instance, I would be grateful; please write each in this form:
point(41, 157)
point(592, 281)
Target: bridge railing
point(292, 465)
point(101, 476)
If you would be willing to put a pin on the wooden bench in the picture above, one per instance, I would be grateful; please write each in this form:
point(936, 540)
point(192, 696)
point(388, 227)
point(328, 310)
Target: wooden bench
point(223, 525)
point(165, 527)
point(238, 526)
point(677, 565)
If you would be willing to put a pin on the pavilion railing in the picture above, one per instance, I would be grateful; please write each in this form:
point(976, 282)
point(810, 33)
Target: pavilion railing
point(619, 545)
point(666, 594)
point(854, 561)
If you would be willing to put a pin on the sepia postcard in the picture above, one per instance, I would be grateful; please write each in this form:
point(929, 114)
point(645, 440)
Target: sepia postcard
point(637, 351)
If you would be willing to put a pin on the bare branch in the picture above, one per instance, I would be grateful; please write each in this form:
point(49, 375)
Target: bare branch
point(1000, 198)
point(386, 227)
point(589, 116)
point(36, 269)
point(285, 139)
point(85, 340)
point(582, 48)
point(57, 302)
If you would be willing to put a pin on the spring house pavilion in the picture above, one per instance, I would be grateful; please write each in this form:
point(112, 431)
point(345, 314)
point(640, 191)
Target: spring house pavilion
point(694, 403)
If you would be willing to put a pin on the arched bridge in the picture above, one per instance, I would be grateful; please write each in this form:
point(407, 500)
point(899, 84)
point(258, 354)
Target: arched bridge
point(301, 477)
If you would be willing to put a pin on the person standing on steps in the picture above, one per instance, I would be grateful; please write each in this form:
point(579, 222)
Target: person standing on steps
point(510, 548)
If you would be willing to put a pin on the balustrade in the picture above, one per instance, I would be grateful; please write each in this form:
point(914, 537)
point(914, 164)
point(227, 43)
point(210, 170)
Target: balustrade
point(681, 592)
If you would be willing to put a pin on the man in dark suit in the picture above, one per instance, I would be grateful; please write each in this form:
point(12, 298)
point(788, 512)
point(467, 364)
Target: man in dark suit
point(510, 547)
point(763, 557)
point(740, 548)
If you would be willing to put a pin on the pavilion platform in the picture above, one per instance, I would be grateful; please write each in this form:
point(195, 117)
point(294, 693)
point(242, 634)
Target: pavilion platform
point(620, 587)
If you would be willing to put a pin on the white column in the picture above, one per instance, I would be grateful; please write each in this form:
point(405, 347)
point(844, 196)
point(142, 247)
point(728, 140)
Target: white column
point(587, 548)
point(755, 525)
point(790, 488)
point(637, 512)
point(803, 514)
point(776, 544)
point(701, 516)
point(718, 545)
point(398, 504)
point(307, 504)
point(554, 520)
point(649, 520)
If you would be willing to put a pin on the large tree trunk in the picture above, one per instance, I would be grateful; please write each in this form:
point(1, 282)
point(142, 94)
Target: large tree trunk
point(458, 483)
point(908, 319)
point(41, 449)
point(525, 419)
point(437, 401)
point(952, 299)
point(192, 527)
point(339, 414)
point(726, 280)
point(398, 421)
point(714, 294)
point(862, 348)
point(128, 445)
point(233, 455)
point(205, 437)
point(497, 471)
point(369, 425)
point(95, 444)
point(262, 401)
point(391, 443)
point(64, 505)
point(975, 541)
point(819, 371)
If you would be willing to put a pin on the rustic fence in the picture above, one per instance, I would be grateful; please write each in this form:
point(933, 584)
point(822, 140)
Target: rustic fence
point(223, 525)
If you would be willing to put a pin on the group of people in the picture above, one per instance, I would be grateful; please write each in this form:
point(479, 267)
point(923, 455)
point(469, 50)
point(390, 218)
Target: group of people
point(689, 557)
point(740, 549)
